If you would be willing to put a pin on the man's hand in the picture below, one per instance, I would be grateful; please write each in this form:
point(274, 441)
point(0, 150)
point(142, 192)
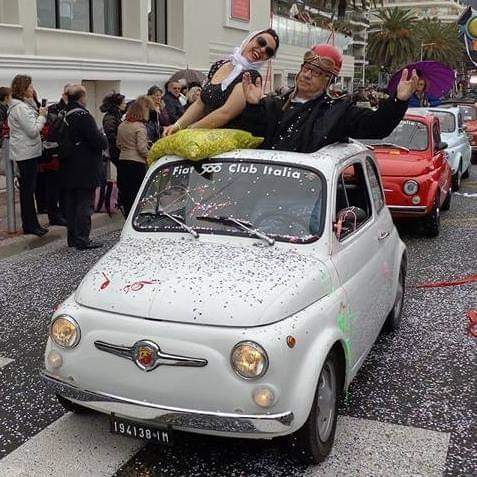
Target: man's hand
point(406, 87)
point(252, 92)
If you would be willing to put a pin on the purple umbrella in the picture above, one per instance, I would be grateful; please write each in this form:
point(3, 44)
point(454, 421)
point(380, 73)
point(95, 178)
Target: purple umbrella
point(439, 77)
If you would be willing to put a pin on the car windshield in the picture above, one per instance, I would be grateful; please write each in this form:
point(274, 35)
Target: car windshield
point(410, 134)
point(468, 113)
point(280, 201)
point(446, 121)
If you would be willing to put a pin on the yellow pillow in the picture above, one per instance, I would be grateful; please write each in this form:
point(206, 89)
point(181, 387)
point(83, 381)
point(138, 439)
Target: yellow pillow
point(198, 144)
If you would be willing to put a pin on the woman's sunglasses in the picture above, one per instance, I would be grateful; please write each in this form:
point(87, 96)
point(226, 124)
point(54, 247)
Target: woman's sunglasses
point(262, 43)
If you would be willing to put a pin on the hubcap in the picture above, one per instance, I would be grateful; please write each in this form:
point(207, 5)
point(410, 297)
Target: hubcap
point(326, 401)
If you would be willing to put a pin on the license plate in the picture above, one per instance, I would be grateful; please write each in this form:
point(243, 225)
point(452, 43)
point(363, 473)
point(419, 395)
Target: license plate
point(140, 431)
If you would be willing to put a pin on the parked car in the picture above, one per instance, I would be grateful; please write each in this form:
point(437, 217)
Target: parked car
point(468, 108)
point(458, 146)
point(242, 298)
point(416, 175)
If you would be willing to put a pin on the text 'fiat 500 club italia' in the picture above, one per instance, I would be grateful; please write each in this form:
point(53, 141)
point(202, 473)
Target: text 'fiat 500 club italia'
point(242, 298)
point(416, 175)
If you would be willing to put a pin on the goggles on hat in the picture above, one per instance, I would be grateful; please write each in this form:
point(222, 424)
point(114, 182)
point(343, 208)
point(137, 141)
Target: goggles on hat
point(322, 62)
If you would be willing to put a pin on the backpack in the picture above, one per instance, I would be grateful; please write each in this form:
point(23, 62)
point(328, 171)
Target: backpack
point(60, 132)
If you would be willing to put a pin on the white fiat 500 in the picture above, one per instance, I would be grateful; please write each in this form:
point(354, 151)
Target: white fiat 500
point(242, 298)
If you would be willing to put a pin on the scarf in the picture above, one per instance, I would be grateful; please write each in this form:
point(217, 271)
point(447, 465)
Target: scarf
point(240, 63)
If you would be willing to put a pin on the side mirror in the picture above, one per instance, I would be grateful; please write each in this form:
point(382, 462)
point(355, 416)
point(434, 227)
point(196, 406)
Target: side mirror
point(441, 146)
point(348, 221)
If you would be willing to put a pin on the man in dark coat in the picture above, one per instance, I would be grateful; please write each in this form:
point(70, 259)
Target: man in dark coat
point(171, 99)
point(80, 168)
point(307, 119)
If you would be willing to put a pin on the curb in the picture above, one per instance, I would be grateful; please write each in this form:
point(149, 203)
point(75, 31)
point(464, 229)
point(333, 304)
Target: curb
point(15, 245)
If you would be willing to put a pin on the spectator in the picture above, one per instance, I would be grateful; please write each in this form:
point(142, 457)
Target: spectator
point(192, 96)
point(54, 199)
point(25, 124)
point(184, 90)
point(172, 100)
point(133, 143)
point(158, 116)
point(113, 107)
point(80, 167)
point(5, 97)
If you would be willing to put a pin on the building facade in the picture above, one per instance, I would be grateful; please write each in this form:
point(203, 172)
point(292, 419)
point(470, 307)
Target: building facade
point(445, 10)
point(129, 45)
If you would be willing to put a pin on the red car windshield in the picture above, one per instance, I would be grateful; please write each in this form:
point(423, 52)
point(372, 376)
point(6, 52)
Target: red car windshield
point(410, 134)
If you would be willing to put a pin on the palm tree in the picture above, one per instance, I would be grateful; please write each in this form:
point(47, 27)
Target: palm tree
point(439, 41)
point(394, 44)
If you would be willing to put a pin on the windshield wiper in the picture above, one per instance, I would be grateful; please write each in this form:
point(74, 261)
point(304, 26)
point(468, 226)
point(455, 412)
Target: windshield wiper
point(390, 144)
point(175, 218)
point(240, 223)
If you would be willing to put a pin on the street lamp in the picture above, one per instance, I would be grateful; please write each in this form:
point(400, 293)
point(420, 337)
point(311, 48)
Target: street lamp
point(423, 45)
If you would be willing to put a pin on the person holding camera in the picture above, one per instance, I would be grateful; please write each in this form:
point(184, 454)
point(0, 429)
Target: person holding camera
point(26, 122)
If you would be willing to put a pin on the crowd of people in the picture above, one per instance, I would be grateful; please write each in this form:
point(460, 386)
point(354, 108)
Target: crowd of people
point(63, 145)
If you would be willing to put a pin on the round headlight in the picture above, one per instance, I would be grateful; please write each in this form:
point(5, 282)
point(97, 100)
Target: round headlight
point(65, 332)
point(249, 360)
point(410, 187)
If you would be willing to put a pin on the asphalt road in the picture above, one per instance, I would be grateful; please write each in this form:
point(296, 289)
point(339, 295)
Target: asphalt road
point(410, 410)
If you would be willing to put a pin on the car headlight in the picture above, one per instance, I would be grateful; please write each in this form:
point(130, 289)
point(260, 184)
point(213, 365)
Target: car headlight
point(410, 187)
point(249, 360)
point(65, 332)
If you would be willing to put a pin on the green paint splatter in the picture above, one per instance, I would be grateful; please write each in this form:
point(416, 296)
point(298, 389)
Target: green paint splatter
point(345, 320)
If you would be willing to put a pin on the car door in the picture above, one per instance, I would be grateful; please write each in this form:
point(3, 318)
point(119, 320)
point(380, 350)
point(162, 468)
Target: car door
point(357, 259)
point(439, 162)
point(386, 236)
point(464, 143)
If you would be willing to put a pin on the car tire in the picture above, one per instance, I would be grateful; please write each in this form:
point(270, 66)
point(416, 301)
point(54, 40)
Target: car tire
point(456, 178)
point(432, 222)
point(313, 442)
point(447, 202)
point(393, 320)
point(72, 406)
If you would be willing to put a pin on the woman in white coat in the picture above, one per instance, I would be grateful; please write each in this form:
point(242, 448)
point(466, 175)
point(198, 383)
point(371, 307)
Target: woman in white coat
point(25, 123)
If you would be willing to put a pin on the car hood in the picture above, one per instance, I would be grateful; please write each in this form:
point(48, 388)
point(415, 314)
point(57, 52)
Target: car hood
point(191, 281)
point(401, 163)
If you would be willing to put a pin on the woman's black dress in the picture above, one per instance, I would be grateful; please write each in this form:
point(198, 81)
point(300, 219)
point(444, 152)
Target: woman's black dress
point(213, 97)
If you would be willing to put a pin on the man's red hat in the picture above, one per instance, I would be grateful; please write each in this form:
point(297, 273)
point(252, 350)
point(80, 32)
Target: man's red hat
point(326, 57)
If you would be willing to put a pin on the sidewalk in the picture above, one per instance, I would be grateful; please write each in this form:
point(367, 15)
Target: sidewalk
point(13, 244)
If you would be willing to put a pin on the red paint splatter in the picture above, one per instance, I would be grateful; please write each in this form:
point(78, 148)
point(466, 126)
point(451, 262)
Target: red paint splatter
point(472, 327)
point(136, 286)
point(106, 282)
point(453, 283)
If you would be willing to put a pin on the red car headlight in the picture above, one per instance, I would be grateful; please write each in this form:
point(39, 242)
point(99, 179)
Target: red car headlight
point(410, 187)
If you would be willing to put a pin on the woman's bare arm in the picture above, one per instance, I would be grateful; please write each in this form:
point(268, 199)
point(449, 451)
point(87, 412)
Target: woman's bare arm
point(194, 113)
point(233, 107)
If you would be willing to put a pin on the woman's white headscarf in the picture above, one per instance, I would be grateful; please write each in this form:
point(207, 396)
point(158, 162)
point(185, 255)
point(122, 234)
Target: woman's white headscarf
point(240, 63)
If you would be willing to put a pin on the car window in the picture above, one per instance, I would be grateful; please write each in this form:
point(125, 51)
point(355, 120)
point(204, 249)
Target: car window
point(281, 200)
point(408, 133)
point(468, 113)
point(375, 184)
point(436, 135)
point(352, 191)
point(446, 121)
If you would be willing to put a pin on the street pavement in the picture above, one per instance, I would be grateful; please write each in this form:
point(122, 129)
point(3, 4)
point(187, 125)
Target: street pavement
point(409, 412)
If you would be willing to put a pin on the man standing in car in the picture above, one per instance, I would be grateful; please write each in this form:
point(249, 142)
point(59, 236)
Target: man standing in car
point(307, 118)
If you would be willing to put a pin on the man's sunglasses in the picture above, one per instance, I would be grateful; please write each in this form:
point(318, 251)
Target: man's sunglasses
point(262, 43)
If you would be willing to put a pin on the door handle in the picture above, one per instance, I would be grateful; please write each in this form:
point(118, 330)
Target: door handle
point(383, 235)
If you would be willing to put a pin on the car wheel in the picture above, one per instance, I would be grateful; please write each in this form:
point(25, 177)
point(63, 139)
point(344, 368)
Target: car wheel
point(432, 222)
point(447, 202)
point(393, 320)
point(72, 406)
point(456, 178)
point(313, 442)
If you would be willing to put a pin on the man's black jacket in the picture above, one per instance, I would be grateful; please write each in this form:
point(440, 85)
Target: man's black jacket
point(307, 127)
point(81, 170)
point(174, 107)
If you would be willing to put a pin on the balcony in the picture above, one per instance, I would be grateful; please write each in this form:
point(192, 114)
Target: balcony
point(294, 32)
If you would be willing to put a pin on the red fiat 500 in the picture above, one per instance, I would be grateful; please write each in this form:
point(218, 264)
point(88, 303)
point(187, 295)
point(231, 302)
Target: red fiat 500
point(415, 173)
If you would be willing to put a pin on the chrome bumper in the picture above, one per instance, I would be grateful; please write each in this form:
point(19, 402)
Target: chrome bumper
point(217, 423)
point(408, 209)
